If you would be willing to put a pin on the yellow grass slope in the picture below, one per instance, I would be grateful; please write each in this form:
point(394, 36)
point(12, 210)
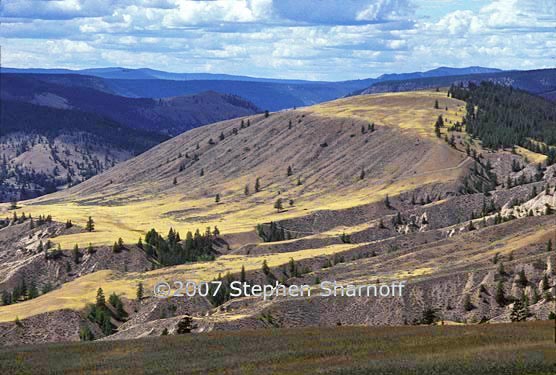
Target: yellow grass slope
point(327, 147)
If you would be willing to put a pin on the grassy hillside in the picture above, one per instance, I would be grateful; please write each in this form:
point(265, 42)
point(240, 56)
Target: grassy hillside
point(526, 348)
point(326, 146)
point(369, 192)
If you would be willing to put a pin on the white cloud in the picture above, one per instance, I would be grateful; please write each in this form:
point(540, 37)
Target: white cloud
point(323, 39)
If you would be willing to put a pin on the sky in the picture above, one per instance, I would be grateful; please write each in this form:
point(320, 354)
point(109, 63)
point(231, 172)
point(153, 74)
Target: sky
point(295, 39)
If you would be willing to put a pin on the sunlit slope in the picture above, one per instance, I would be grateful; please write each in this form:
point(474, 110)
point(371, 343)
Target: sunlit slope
point(327, 146)
point(78, 293)
point(470, 251)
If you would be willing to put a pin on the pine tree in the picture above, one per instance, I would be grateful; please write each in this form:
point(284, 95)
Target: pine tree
point(6, 298)
point(438, 125)
point(257, 185)
point(242, 277)
point(549, 245)
point(140, 291)
point(33, 291)
point(101, 301)
point(85, 333)
point(362, 174)
point(387, 202)
point(90, 226)
point(184, 325)
point(76, 254)
point(246, 190)
point(500, 297)
point(290, 171)
point(217, 198)
point(520, 312)
point(545, 282)
point(522, 279)
point(265, 268)
point(467, 305)
point(278, 205)
point(436, 104)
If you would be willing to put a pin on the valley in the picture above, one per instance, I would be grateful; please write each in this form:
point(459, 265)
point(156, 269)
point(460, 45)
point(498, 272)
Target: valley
point(368, 194)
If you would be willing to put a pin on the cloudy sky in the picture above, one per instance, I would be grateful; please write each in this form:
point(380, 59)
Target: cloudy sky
point(305, 39)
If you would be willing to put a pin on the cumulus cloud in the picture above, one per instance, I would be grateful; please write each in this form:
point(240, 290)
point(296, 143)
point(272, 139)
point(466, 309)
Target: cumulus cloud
point(319, 39)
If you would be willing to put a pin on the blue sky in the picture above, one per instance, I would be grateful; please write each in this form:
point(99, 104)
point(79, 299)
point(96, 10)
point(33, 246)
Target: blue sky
point(303, 39)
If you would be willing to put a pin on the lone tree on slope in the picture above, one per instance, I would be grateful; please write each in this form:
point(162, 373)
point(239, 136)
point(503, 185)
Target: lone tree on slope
point(278, 204)
point(90, 226)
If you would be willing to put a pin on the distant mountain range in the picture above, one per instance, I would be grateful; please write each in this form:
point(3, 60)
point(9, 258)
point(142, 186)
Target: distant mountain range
point(540, 82)
point(170, 116)
point(58, 130)
point(265, 93)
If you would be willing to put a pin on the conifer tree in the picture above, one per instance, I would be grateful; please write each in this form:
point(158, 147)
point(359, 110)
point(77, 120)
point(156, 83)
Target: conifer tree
point(76, 254)
point(140, 291)
point(387, 202)
point(100, 301)
point(90, 226)
point(520, 312)
point(242, 277)
point(278, 205)
point(500, 297)
point(265, 268)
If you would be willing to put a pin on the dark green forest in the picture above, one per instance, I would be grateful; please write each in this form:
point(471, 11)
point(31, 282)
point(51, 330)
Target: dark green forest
point(502, 117)
point(51, 122)
point(171, 251)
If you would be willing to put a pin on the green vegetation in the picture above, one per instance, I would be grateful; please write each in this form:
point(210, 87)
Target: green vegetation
point(522, 348)
point(171, 251)
point(503, 117)
point(273, 233)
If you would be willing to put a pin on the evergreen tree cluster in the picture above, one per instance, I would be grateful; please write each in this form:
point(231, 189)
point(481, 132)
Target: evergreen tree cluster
point(23, 292)
point(102, 312)
point(273, 233)
point(502, 116)
point(172, 250)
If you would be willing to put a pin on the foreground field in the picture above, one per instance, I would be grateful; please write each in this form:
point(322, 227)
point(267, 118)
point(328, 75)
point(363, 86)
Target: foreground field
point(524, 348)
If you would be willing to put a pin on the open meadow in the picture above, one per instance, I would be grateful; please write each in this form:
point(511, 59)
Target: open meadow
point(489, 349)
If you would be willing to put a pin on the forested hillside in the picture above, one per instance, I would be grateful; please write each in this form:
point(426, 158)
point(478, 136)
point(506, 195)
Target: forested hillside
point(43, 148)
point(502, 116)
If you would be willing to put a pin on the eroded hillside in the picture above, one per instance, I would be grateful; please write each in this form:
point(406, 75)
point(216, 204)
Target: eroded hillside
point(369, 194)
